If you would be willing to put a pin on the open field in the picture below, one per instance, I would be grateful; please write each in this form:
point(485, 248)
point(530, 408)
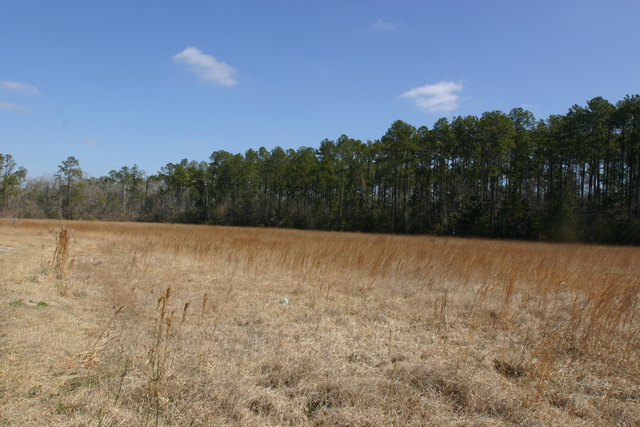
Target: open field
point(155, 324)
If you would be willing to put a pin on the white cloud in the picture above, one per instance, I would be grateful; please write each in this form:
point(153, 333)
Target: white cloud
point(20, 87)
point(437, 97)
point(12, 106)
point(90, 141)
point(383, 26)
point(206, 66)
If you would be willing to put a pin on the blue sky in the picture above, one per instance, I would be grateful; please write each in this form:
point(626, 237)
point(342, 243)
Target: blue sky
point(117, 83)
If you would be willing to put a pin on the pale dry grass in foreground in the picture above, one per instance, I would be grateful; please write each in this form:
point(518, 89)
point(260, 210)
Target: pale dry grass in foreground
point(181, 325)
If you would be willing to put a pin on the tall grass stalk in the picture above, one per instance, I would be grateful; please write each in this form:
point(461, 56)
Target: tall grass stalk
point(61, 254)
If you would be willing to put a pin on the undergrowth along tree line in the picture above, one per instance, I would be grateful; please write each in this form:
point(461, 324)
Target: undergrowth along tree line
point(572, 177)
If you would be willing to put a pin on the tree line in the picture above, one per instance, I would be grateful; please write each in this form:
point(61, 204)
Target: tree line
point(572, 177)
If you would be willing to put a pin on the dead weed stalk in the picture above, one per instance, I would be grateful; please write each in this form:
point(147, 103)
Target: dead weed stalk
point(61, 254)
point(159, 354)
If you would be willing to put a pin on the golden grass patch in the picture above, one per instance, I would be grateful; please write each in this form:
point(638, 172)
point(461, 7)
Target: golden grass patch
point(158, 324)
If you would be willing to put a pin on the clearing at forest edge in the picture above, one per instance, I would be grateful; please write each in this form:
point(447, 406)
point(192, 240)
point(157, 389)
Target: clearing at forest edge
point(158, 324)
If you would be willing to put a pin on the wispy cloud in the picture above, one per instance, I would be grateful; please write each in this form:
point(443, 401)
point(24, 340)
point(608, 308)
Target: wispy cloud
point(206, 66)
point(382, 25)
point(12, 106)
point(438, 97)
point(90, 141)
point(20, 87)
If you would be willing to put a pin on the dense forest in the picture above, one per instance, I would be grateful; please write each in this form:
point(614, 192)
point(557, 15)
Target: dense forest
point(572, 177)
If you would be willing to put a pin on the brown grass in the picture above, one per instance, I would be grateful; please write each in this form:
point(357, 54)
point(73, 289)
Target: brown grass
point(182, 325)
point(61, 254)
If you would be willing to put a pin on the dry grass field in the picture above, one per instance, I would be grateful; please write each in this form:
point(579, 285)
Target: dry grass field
point(120, 324)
